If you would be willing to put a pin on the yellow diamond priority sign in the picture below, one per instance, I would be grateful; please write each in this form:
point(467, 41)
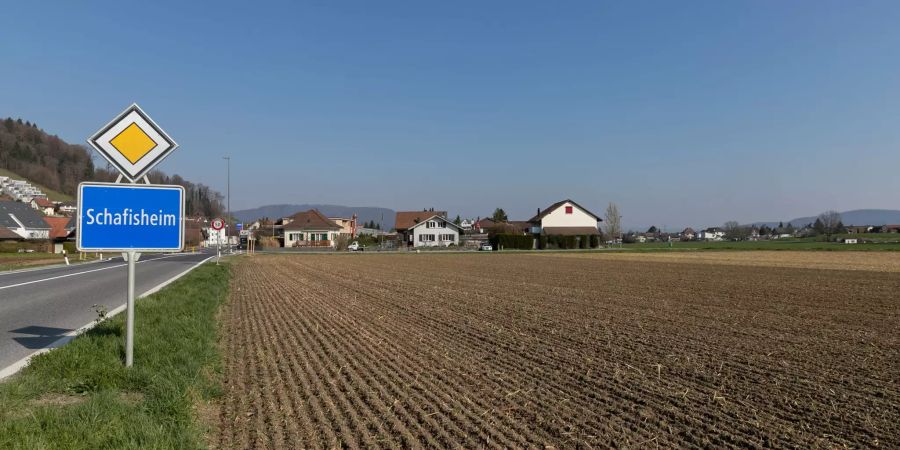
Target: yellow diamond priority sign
point(133, 143)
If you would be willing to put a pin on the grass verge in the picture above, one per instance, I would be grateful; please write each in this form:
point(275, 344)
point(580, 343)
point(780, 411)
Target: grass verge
point(81, 395)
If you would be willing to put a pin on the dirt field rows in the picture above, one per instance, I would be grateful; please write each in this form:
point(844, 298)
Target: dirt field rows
point(540, 350)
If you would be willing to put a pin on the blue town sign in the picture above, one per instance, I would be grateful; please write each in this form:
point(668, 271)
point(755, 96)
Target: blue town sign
point(123, 217)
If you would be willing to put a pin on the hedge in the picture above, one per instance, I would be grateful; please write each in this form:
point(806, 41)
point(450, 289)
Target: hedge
point(512, 241)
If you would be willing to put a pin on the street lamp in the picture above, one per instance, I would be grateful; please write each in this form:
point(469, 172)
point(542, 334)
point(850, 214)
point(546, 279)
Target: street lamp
point(228, 199)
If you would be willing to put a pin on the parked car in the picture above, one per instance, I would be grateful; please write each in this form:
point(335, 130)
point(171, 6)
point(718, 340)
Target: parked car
point(355, 247)
point(486, 247)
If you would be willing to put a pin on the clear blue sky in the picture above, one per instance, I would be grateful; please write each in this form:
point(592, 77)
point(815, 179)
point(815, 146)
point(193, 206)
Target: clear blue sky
point(683, 113)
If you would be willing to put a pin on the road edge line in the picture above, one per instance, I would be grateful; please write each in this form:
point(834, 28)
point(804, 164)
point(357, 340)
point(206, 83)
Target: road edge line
point(15, 367)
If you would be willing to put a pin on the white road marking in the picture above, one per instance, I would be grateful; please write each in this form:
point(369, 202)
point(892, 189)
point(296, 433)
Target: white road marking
point(18, 365)
point(79, 273)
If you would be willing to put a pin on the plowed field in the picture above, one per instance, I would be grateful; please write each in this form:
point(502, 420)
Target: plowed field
point(526, 350)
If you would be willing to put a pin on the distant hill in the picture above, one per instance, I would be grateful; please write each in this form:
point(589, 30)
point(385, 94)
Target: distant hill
point(854, 217)
point(363, 213)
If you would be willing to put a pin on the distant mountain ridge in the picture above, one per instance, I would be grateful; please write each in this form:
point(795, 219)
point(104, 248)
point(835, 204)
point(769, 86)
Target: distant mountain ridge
point(853, 217)
point(384, 216)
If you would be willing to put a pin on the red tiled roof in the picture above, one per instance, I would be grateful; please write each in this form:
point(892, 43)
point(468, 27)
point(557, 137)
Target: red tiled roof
point(43, 202)
point(406, 219)
point(310, 220)
point(58, 228)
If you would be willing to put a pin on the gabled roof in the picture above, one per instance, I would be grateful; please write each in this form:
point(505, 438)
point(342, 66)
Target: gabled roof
point(556, 205)
point(23, 213)
point(407, 219)
point(59, 228)
point(310, 220)
point(436, 216)
point(7, 234)
point(43, 202)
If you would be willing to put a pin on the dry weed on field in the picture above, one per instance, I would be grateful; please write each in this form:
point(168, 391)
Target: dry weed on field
point(514, 351)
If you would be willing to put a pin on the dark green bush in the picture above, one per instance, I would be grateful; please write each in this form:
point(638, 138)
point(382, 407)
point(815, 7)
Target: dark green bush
point(595, 241)
point(512, 241)
point(542, 242)
point(583, 241)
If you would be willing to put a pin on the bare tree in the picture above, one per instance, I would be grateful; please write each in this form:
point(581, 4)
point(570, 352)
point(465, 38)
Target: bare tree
point(830, 222)
point(613, 221)
point(734, 231)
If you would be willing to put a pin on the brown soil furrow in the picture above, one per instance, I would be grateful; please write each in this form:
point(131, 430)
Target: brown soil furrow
point(528, 350)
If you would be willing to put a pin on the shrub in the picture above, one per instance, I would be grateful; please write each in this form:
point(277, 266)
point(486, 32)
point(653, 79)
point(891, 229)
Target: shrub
point(542, 242)
point(595, 241)
point(583, 241)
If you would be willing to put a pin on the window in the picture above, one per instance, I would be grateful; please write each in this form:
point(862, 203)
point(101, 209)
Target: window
point(426, 238)
point(447, 238)
point(568, 210)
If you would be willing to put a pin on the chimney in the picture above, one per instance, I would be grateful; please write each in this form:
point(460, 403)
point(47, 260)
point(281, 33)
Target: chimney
point(539, 211)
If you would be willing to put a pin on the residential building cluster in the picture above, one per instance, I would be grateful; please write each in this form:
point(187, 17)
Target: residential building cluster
point(20, 190)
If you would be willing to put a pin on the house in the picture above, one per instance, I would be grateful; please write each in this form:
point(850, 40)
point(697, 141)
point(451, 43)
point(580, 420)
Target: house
point(21, 219)
point(434, 231)
point(61, 230)
point(850, 240)
point(688, 234)
point(860, 229)
point(405, 220)
point(310, 229)
point(711, 234)
point(466, 224)
point(565, 218)
point(66, 208)
point(46, 207)
point(889, 229)
point(348, 226)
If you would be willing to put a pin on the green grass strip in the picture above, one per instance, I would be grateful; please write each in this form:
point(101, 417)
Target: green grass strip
point(81, 395)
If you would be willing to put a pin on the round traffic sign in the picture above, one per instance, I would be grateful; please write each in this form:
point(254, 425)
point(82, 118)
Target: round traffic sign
point(217, 224)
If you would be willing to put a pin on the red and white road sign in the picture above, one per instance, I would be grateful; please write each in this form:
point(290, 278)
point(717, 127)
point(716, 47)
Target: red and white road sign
point(217, 224)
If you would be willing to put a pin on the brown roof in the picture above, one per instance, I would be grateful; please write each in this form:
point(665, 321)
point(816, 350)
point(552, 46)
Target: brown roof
point(58, 227)
point(43, 202)
point(7, 234)
point(552, 207)
point(406, 219)
point(310, 220)
point(570, 231)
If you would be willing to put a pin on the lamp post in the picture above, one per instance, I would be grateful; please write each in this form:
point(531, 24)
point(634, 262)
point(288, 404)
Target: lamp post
point(228, 199)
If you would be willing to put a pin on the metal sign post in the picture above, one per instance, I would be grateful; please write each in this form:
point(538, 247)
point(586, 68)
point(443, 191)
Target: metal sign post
point(131, 218)
point(129, 319)
point(218, 224)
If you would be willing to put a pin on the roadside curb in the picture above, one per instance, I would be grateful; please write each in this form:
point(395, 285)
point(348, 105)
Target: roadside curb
point(13, 368)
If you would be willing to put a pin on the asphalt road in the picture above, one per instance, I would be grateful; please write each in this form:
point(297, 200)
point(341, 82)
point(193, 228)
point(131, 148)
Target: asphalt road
point(38, 307)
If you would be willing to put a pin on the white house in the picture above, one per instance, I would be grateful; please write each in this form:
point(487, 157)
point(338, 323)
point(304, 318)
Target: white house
point(310, 229)
point(435, 231)
point(215, 238)
point(565, 218)
point(711, 234)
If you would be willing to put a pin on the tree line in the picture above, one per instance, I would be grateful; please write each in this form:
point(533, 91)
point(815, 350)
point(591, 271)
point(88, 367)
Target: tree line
point(49, 161)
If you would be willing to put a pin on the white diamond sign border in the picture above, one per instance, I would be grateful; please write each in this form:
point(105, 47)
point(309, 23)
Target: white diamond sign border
point(100, 141)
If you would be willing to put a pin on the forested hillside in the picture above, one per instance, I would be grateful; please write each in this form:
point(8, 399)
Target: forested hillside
point(49, 161)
